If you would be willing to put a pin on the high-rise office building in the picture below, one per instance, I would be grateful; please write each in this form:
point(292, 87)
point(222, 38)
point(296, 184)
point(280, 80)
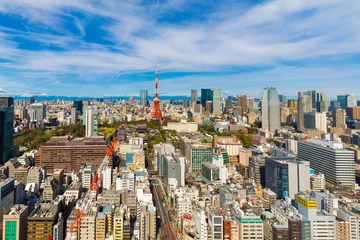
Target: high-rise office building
point(312, 94)
point(174, 167)
point(6, 128)
point(228, 104)
point(315, 120)
point(32, 100)
point(143, 97)
point(206, 95)
point(348, 100)
point(282, 98)
point(304, 106)
point(78, 105)
point(39, 111)
point(339, 118)
point(91, 122)
point(329, 158)
point(186, 102)
point(323, 102)
point(353, 112)
point(15, 223)
point(73, 115)
point(287, 174)
point(194, 96)
point(242, 104)
point(216, 101)
point(199, 154)
point(270, 109)
point(147, 222)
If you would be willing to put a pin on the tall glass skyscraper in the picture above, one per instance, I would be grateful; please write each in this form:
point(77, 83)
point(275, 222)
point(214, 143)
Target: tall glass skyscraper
point(216, 101)
point(304, 106)
point(270, 109)
point(194, 95)
point(206, 95)
point(143, 97)
point(78, 105)
point(6, 128)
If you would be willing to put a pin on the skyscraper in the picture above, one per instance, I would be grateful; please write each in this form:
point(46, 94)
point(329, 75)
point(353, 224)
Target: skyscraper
point(312, 94)
point(270, 109)
point(91, 122)
point(338, 116)
point(348, 100)
point(6, 128)
point(323, 102)
point(194, 96)
point(143, 97)
point(206, 95)
point(216, 101)
point(78, 105)
point(40, 111)
point(32, 100)
point(186, 102)
point(304, 106)
point(241, 102)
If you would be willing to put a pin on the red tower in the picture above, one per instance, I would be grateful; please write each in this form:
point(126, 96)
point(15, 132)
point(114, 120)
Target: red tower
point(156, 113)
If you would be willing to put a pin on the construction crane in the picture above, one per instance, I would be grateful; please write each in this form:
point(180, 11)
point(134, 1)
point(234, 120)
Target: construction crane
point(91, 194)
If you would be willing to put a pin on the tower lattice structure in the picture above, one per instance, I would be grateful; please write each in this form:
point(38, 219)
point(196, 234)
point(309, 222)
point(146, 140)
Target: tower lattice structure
point(156, 112)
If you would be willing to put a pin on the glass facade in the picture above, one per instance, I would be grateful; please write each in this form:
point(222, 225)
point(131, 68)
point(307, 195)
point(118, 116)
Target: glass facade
point(143, 97)
point(206, 95)
point(200, 155)
point(10, 230)
point(6, 133)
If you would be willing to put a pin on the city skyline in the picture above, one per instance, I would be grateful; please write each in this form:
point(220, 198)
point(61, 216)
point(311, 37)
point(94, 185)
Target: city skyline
point(92, 49)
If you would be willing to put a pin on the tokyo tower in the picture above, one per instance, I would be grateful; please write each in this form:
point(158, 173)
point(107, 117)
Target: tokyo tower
point(156, 113)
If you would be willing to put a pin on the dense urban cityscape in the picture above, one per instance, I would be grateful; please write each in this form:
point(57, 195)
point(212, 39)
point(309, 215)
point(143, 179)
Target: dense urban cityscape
point(179, 120)
point(206, 167)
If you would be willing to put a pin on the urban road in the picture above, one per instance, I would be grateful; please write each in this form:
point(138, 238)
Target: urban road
point(165, 222)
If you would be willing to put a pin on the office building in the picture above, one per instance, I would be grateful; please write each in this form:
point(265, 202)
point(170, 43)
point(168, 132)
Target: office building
point(242, 104)
point(348, 100)
point(270, 109)
point(257, 169)
point(186, 103)
point(312, 94)
point(216, 101)
point(91, 123)
point(323, 102)
point(315, 120)
point(199, 154)
point(286, 176)
point(250, 103)
point(39, 110)
point(251, 227)
point(329, 158)
point(284, 114)
point(6, 128)
point(7, 190)
point(323, 224)
point(144, 97)
point(119, 223)
point(210, 171)
point(194, 96)
point(35, 175)
point(282, 98)
point(78, 105)
point(353, 112)
point(70, 154)
point(74, 115)
point(15, 223)
point(208, 106)
point(206, 95)
point(174, 168)
point(304, 106)
point(215, 220)
point(41, 221)
point(339, 118)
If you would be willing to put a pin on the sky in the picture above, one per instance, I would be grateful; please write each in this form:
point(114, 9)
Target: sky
point(111, 47)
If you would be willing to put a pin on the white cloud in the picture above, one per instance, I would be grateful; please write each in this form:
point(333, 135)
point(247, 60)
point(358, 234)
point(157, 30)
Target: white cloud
point(267, 34)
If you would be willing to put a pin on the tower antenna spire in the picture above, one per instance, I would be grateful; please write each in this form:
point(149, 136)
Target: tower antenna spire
point(156, 113)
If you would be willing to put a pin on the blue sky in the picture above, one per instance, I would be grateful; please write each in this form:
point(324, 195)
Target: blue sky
point(111, 47)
